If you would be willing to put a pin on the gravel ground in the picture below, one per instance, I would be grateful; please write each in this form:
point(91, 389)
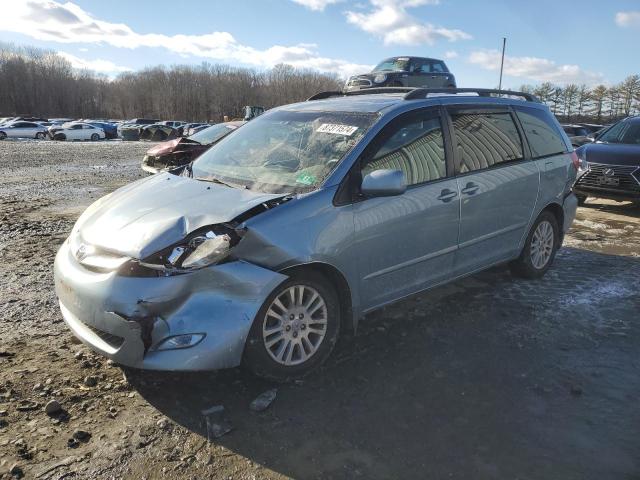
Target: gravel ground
point(488, 377)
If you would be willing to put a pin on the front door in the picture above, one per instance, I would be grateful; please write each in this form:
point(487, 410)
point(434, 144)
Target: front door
point(498, 186)
point(407, 242)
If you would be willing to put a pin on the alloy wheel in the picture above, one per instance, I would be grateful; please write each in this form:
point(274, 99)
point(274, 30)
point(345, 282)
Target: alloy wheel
point(295, 325)
point(542, 244)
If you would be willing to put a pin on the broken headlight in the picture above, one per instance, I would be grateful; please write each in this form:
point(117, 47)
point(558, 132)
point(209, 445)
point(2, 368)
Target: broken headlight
point(381, 77)
point(197, 251)
point(201, 251)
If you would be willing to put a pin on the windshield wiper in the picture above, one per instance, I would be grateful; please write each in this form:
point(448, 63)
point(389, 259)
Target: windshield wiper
point(217, 180)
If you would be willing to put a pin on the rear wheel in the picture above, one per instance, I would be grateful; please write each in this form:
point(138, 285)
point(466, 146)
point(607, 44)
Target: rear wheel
point(60, 136)
point(40, 135)
point(539, 249)
point(295, 329)
point(95, 137)
point(3, 135)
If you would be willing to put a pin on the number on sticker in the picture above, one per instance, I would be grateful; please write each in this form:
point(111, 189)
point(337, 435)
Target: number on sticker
point(334, 128)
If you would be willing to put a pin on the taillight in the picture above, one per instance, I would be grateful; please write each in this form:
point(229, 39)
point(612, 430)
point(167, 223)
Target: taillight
point(575, 160)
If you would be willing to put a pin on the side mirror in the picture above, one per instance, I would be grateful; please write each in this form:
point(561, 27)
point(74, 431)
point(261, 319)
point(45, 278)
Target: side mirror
point(384, 183)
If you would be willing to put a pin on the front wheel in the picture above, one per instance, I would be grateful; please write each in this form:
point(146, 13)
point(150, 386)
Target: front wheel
point(295, 330)
point(3, 135)
point(539, 249)
point(40, 135)
point(95, 137)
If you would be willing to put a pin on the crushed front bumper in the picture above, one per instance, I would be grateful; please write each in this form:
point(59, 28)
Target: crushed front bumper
point(127, 318)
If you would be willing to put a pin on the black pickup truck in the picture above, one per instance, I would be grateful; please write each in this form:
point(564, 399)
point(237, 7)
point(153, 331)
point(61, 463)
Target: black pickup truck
point(404, 72)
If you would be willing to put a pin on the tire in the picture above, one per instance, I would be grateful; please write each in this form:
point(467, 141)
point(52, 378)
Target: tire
point(288, 334)
point(60, 137)
point(3, 135)
point(529, 264)
point(95, 137)
point(581, 199)
point(40, 136)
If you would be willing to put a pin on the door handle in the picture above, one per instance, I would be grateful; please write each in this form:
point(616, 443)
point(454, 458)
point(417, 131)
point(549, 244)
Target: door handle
point(470, 188)
point(447, 195)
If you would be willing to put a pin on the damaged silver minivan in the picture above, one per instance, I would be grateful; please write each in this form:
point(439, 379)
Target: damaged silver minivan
point(293, 227)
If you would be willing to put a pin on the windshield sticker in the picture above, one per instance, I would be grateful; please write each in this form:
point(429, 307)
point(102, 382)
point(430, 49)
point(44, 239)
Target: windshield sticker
point(347, 130)
point(306, 179)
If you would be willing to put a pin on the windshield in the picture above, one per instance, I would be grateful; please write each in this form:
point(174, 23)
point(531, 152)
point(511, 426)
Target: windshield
point(213, 133)
point(283, 151)
point(623, 132)
point(393, 65)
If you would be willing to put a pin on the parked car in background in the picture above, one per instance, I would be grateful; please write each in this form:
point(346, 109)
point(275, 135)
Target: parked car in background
point(130, 129)
point(23, 129)
point(4, 120)
point(404, 72)
point(172, 123)
point(78, 131)
point(610, 167)
point(286, 232)
point(60, 121)
point(178, 152)
point(159, 132)
point(578, 134)
point(110, 129)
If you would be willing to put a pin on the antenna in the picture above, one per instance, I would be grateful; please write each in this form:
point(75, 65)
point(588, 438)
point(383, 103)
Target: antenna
point(504, 45)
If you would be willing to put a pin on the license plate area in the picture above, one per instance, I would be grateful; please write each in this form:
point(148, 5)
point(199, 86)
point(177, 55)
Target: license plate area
point(609, 181)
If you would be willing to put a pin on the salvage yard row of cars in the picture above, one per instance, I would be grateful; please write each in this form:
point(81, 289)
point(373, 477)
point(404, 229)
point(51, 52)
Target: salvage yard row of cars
point(94, 130)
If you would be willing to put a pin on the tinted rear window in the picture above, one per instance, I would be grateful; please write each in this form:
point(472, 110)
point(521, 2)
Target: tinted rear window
point(543, 135)
point(485, 140)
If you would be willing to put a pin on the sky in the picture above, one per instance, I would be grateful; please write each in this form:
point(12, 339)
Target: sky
point(562, 41)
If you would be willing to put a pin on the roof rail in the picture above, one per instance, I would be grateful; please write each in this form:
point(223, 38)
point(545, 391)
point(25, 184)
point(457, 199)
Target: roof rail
point(421, 93)
point(418, 93)
point(364, 91)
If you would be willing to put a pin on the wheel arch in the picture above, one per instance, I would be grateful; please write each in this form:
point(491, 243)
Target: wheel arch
point(336, 278)
point(557, 211)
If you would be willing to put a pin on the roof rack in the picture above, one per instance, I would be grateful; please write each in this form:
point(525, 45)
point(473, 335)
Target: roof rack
point(365, 91)
point(421, 93)
point(417, 93)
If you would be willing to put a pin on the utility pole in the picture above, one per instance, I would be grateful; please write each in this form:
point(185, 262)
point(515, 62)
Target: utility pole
point(504, 45)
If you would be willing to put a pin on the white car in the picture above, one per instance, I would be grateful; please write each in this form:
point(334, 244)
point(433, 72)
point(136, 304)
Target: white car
point(77, 131)
point(20, 129)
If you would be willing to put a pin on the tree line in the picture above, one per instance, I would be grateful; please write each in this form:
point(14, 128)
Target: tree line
point(598, 104)
point(41, 83)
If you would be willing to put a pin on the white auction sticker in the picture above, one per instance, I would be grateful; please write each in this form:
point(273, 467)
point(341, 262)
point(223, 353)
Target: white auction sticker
point(347, 130)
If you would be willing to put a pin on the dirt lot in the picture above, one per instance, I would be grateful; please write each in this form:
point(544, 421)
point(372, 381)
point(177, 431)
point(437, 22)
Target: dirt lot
point(485, 378)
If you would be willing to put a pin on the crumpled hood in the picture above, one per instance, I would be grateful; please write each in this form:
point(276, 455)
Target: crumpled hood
point(163, 147)
point(611, 153)
point(145, 216)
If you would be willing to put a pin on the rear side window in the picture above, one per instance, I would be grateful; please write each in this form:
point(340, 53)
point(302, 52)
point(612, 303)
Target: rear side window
point(543, 135)
point(415, 146)
point(485, 139)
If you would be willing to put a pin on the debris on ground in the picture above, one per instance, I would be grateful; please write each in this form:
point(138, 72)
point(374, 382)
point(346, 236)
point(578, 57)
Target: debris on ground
point(264, 400)
point(217, 422)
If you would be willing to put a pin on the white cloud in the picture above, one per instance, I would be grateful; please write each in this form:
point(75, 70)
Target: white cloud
point(51, 21)
point(390, 20)
point(97, 65)
point(628, 19)
point(451, 54)
point(316, 5)
point(534, 68)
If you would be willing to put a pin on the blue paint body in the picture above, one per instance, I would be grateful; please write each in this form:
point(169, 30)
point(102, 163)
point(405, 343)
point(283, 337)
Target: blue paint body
point(385, 248)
